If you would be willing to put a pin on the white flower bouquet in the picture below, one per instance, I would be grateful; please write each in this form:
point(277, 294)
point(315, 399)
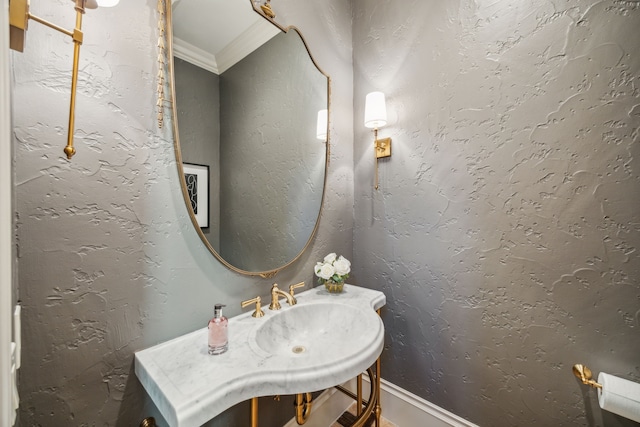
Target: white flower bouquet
point(333, 270)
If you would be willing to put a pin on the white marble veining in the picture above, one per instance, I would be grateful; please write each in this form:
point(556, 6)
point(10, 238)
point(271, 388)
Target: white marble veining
point(342, 335)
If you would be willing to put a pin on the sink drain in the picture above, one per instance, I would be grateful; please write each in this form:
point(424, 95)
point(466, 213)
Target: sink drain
point(298, 349)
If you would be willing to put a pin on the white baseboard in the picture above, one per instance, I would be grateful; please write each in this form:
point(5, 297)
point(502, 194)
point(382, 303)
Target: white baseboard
point(398, 406)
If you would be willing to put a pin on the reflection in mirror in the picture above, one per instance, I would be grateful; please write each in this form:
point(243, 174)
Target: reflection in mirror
point(247, 97)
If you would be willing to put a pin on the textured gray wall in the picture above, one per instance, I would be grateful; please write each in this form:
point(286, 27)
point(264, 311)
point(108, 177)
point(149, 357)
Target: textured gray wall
point(505, 232)
point(272, 164)
point(198, 103)
point(108, 260)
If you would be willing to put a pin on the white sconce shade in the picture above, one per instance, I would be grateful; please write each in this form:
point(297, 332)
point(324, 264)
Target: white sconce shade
point(94, 4)
point(321, 128)
point(375, 110)
point(107, 3)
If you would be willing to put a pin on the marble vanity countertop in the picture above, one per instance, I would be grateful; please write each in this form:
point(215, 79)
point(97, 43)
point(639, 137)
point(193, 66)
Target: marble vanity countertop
point(190, 387)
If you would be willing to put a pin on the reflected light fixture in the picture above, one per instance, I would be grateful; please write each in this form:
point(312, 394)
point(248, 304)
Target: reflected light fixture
point(375, 117)
point(19, 16)
point(322, 125)
point(108, 3)
point(266, 8)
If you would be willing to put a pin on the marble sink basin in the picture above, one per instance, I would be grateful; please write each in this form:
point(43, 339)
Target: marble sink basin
point(318, 333)
point(322, 341)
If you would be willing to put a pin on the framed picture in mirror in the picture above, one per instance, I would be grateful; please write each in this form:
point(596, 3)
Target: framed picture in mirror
point(197, 181)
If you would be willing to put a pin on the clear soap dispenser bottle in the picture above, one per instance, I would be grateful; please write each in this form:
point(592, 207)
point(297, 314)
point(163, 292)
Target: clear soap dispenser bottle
point(218, 333)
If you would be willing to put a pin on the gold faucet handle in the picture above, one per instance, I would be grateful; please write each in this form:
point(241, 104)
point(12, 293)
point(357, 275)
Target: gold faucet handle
point(257, 300)
point(292, 288)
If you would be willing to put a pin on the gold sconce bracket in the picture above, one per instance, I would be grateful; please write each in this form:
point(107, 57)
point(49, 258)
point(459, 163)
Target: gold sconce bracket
point(18, 22)
point(383, 148)
point(78, 36)
point(19, 16)
point(585, 375)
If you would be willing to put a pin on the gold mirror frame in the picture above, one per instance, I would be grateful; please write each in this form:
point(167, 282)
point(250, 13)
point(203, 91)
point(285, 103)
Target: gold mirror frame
point(178, 152)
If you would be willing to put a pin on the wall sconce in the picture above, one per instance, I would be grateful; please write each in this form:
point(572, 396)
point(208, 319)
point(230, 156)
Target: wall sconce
point(322, 126)
point(375, 117)
point(19, 16)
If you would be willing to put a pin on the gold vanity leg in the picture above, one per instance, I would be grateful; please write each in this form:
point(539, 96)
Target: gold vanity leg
point(378, 409)
point(303, 404)
point(254, 412)
point(359, 395)
point(378, 375)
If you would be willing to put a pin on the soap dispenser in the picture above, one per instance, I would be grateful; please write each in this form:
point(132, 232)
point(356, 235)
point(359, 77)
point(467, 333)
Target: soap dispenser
point(218, 333)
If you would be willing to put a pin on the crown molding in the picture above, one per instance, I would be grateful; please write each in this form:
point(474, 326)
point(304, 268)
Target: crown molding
point(251, 39)
point(194, 55)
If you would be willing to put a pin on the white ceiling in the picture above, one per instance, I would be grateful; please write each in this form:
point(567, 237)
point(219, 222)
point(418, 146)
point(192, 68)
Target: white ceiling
point(215, 34)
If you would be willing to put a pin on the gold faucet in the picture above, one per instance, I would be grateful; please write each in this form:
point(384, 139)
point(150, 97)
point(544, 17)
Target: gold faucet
point(275, 296)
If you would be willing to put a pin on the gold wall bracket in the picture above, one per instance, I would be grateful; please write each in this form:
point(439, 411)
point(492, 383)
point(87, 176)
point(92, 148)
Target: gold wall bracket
point(382, 149)
point(18, 22)
point(585, 375)
point(19, 16)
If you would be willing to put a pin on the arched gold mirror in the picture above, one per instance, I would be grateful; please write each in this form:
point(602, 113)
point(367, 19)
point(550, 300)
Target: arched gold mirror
point(247, 98)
